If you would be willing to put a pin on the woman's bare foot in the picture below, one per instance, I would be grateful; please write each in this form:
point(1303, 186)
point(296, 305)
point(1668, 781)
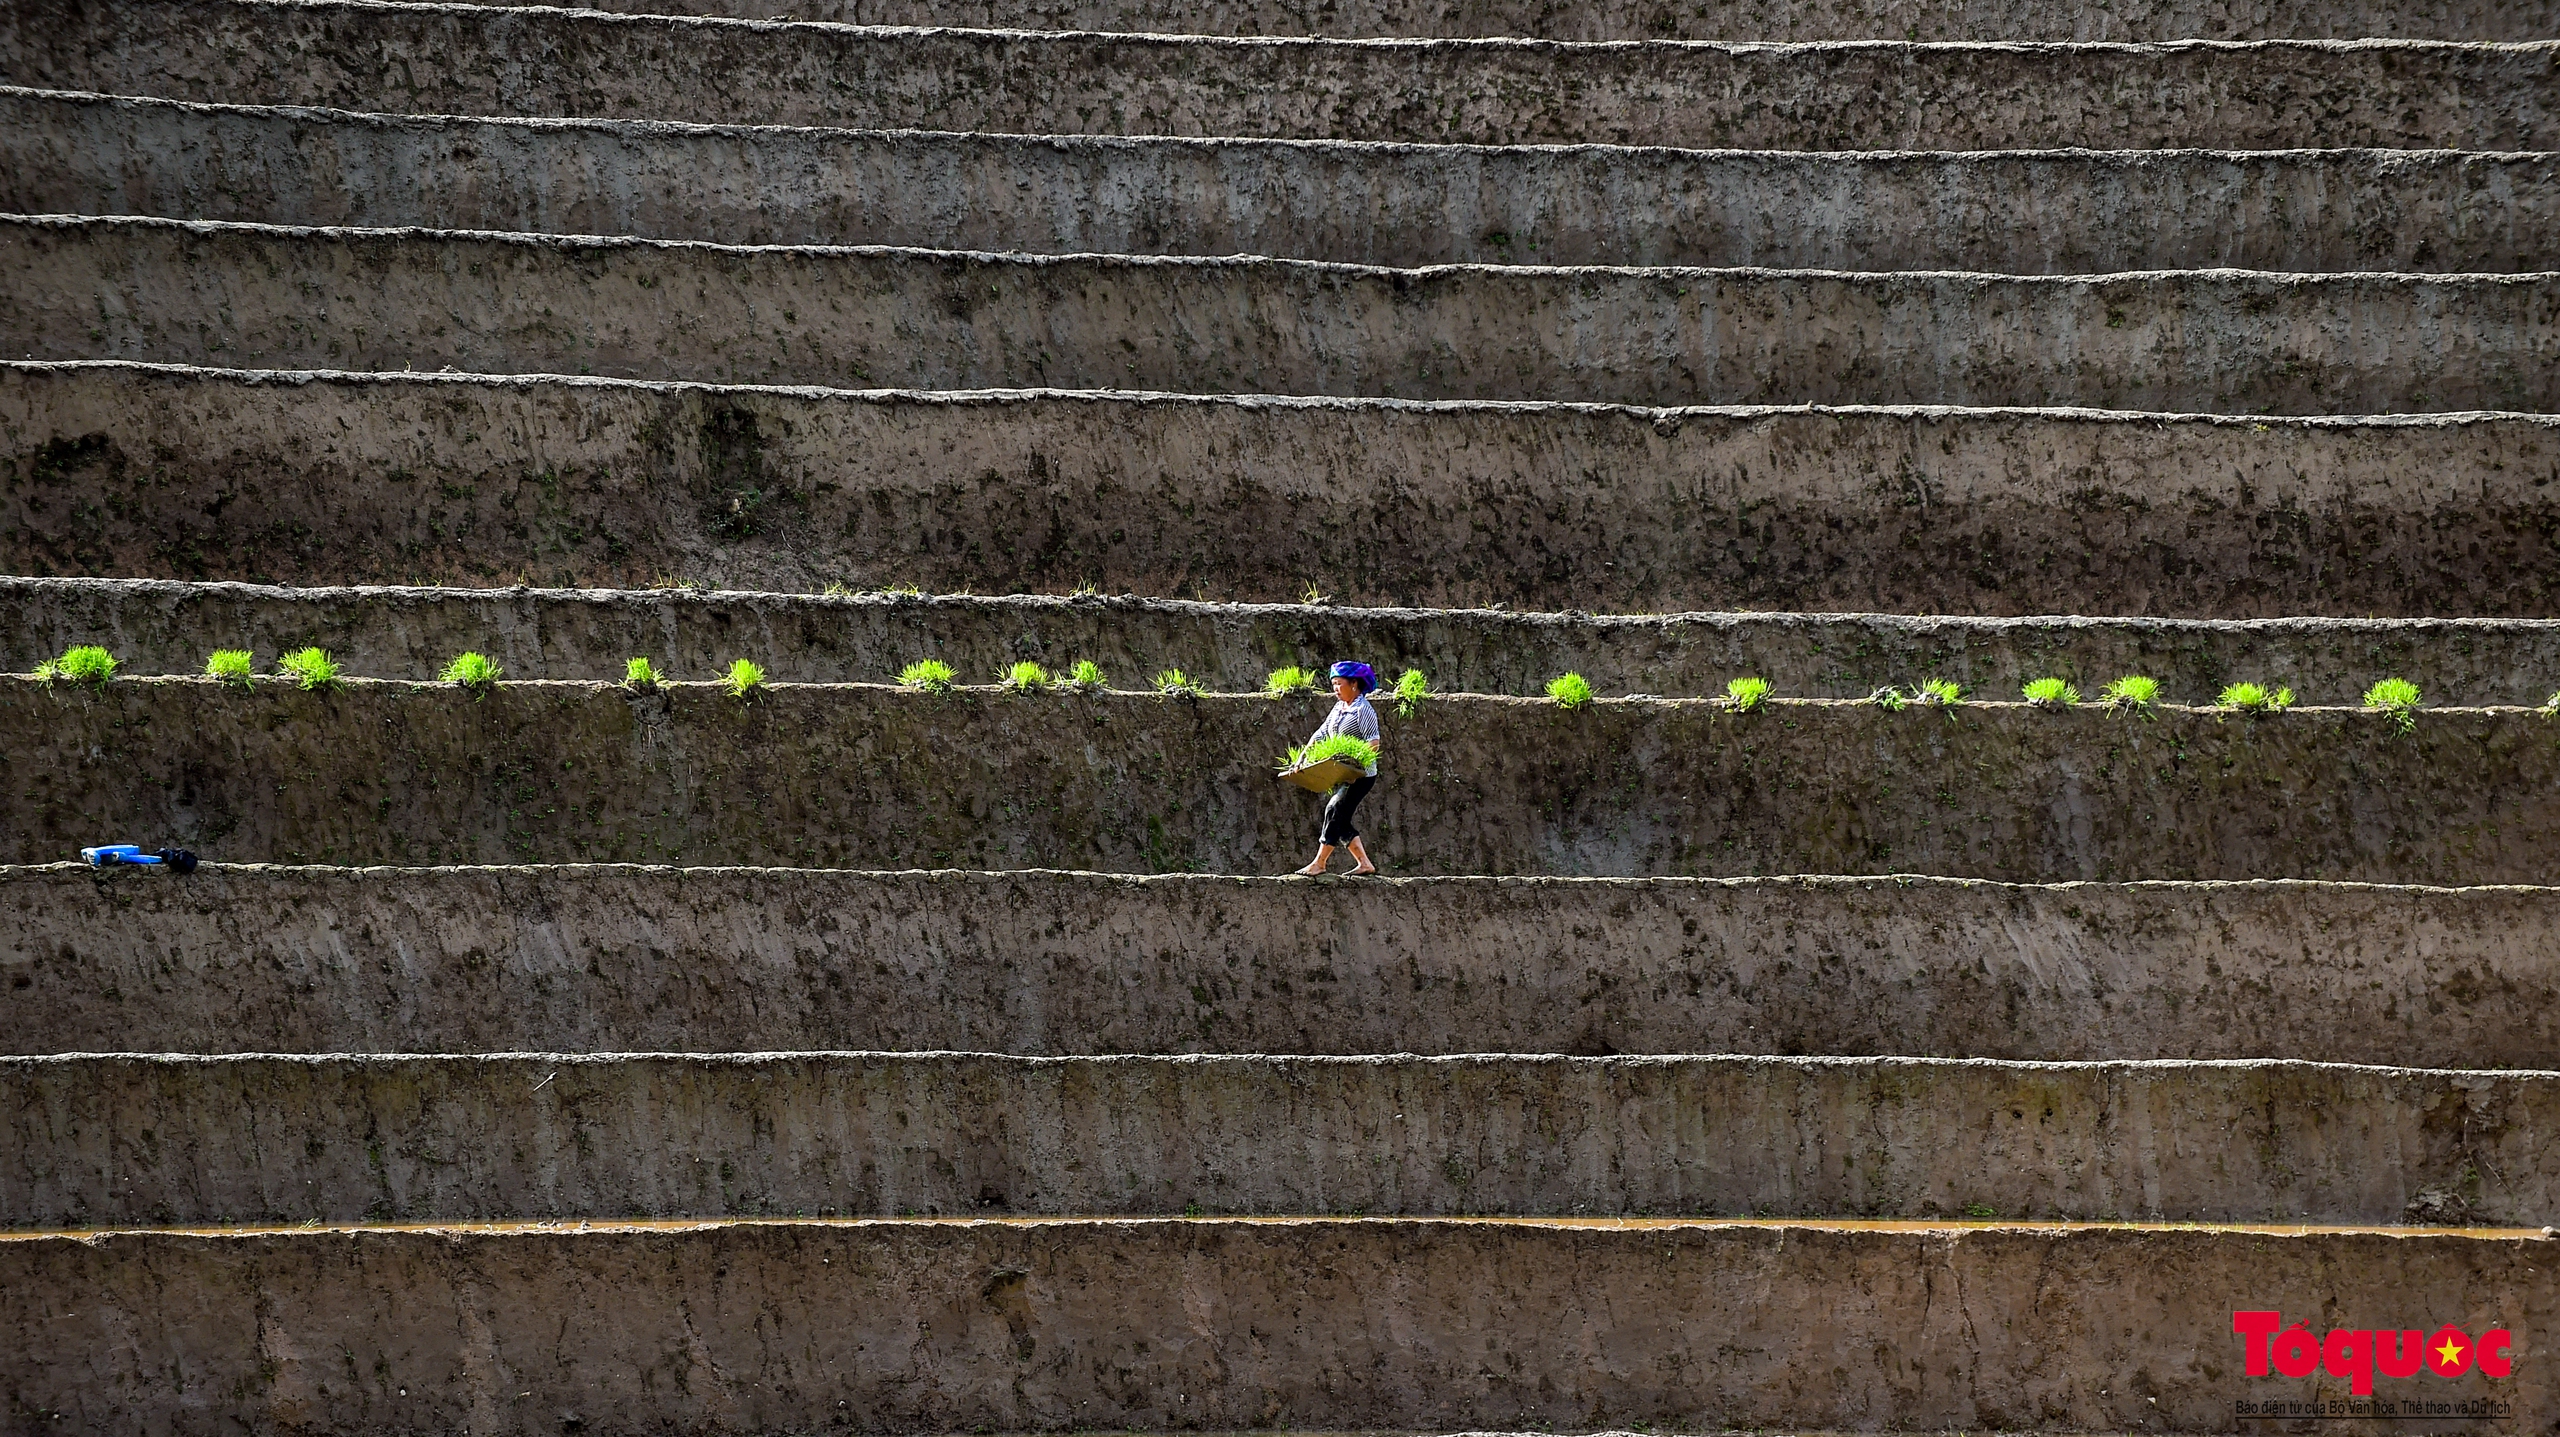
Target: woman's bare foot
point(1364, 868)
point(1312, 870)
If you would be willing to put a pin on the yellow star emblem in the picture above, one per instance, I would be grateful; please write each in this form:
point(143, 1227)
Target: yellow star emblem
point(2451, 1352)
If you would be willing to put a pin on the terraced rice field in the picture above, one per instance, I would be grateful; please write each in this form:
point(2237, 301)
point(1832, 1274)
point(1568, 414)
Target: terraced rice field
point(568, 1054)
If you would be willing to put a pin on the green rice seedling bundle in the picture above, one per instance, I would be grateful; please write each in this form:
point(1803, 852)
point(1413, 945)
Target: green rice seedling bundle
point(1411, 689)
point(476, 672)
point(1026, 677)
point(745, 676)
point(1746, 694)
point(1174, 683)
point(1087, 675)
point(2398, 698)
point(1349, 748)
point(2051, 694)
point(2133, 691)
point(931, 675)
point(232, 666)
point(1941, 693)
point(79, 664)
point(641, 674)
point(2255, 699)
point(1570, 691)
point(311, 669)
point(1890, 699)
point(1291, 680)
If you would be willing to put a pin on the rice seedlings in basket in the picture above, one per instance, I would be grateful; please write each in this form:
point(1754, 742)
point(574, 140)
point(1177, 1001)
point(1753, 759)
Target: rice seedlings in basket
point(2398, 698)
point(1291, 680)
point(1570, 691)
point(1350, 748)
point(1026, 677)
point(745, 676)
point(1411, 689)
point(1175, 684)
point(311, 669)
point(476, 672)
point(2132, 692)
point(2255, 699)
point(2051, 694)
point(79, 664)
point(641, 675)
point(1087, 676)
point(233, 666)
point(931, 675)
point(1746, 694)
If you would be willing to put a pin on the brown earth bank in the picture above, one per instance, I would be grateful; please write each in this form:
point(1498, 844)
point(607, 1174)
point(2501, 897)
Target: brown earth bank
point(168, 627)
point(1404, 205)
point(2388, 94)
point(1642, 20)
point(878, 777)
point(145, 470)
point(320, 960)
point(2213, 340)
point(105, 1140)
point(1432, 1324)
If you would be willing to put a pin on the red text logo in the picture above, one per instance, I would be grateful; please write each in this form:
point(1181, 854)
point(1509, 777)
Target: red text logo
point(2357, 1353)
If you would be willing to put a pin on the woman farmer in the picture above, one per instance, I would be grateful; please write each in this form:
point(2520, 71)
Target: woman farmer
point(1352, 715)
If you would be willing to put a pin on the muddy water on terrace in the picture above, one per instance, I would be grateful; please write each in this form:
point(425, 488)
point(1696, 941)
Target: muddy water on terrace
point(618, 1225)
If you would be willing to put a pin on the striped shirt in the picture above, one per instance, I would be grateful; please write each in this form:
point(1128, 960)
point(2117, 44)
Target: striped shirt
point(1355, 718)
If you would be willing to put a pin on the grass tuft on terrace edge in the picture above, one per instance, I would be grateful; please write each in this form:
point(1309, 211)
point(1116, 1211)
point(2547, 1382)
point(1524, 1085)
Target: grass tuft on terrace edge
point(1412, 688)
point(2133, 691)
point(2051, 693)
point(933, 676)
point(2255, 699)
point(1570, 691)
point(311, 669)
point(2398, 698)
point(744, 677)
point(642, 675)
point(1746, 694)
point(1026, 677)
point(237, 667)
point(474, 671)
point(80, 664)
point(1292, 680)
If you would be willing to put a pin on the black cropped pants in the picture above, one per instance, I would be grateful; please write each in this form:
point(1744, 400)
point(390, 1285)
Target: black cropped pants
point(1338, 828)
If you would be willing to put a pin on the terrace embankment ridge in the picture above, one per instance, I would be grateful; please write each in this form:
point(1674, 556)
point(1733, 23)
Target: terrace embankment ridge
point(343, 1138)
point(1384, 204)
point(330, 477)
point(1450, 1324)
point(605, 958)
point(169, 627)
point(875, 776)
point(1631, 19)
point(2390, 94)
point(2220, 340)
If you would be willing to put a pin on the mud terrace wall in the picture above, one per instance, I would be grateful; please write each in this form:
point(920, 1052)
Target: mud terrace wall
point(1319, 1324)
point(338, 478)
point(863, 776)
point(2012, 213)
point(469, 60)
point(166, 627)
point(589, 959)
point(2225, 341)
point(342, 1139)
point(1632, 19)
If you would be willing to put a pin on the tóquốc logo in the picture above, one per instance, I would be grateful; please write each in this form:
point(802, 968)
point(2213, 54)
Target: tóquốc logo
point(2358, 1354)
